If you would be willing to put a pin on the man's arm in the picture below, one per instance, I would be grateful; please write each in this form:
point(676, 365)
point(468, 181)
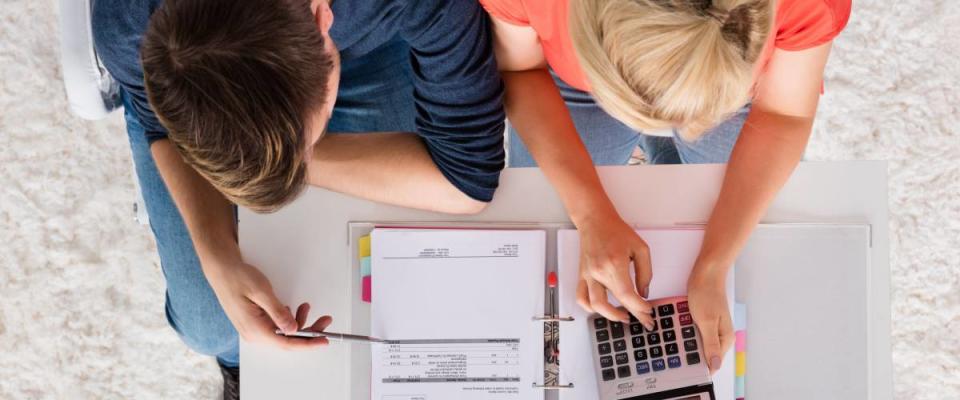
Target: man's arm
point(244, 292)
point(393, 168)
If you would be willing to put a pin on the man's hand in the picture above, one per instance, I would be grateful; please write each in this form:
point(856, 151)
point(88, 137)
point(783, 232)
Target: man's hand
point(249, 301)
point(607, 247)
point(706, 293)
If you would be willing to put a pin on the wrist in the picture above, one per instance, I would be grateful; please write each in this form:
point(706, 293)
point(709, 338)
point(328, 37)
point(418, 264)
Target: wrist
point(708, 272)
point(593, 212)
point(218, 261)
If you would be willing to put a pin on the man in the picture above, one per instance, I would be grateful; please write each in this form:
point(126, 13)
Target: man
point(241, 97)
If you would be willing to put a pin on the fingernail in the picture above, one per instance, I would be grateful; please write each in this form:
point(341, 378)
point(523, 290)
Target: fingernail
point(649, 326)
point(645, 292)
point(715, 362)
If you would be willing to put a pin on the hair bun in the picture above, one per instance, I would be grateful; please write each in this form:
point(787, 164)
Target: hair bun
point(737, 27)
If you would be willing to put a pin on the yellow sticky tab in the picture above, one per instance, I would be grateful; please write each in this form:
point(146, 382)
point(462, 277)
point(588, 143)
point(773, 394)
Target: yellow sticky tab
point(741, 363)
point(363, 246)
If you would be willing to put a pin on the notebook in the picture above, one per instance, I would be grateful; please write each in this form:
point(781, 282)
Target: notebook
point(458, 309)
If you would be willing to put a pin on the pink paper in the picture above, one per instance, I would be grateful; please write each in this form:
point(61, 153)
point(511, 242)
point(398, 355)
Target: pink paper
point(365, 289)
point(741, 341)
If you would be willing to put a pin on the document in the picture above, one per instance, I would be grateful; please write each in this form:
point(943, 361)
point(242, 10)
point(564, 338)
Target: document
point(456, 308)
point(672, 253)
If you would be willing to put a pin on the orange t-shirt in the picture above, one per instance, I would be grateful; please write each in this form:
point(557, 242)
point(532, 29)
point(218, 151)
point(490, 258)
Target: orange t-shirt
point(799, 25)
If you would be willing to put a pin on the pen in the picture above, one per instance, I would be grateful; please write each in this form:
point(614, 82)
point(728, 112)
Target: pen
point(338, 337)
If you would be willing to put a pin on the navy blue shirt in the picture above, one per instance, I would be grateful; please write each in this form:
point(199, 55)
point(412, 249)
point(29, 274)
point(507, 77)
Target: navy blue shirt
point(457, 89)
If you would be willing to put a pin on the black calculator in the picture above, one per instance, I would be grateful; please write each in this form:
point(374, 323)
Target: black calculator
point(663, 363)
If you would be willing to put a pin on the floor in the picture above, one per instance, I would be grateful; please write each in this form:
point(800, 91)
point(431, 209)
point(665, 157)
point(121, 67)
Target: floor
point(81, 292)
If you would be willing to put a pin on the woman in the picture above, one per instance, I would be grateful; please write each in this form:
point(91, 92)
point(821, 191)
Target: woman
point(692, 81)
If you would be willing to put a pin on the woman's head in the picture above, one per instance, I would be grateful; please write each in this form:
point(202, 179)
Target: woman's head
point(655, 64)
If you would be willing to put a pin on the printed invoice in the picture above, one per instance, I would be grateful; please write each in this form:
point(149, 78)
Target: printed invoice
point(456, 308)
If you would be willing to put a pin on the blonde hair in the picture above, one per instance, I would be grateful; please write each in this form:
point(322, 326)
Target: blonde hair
point(656, 64)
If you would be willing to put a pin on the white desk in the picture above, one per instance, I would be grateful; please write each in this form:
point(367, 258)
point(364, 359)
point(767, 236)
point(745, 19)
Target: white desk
point(304, 250)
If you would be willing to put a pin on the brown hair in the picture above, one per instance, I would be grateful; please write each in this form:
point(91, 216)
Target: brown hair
point(234, 82)
point(655, 64)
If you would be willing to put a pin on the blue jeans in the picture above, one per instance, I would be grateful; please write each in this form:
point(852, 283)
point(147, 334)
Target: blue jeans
point(371, 99)
point(610, 142)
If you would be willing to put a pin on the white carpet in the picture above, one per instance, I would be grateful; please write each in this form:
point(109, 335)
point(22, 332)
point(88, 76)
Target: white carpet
point(81, 293)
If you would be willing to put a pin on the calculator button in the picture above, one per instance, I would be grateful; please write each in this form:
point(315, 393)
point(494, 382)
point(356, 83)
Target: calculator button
point(693, 358)
point(609, 375)
point(600, 323)
point(658, 365)
point(686, 319)
point(637, 341)
point(604, 348)
point(620, 345)
point(666, 323)
point(673, 362)
point(633, 319)
point(640, 355)
point(687, 332)
point(617, 329)
point(622, 358)
point(690, 345)
point(671, 348)
point(603, 336)
point(653, 338)
point(623, 372)
point(656, 351)
point(643, 368)
point(669, 336)
point(683, 307)
point(606, 362)
point(636, 329)
point(665, 310)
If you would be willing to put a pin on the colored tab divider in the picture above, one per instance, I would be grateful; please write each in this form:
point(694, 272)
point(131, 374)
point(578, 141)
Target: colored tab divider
point(363, 252)
point(740, 347)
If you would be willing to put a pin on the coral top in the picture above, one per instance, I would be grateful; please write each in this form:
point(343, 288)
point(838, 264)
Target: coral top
point(799, 25)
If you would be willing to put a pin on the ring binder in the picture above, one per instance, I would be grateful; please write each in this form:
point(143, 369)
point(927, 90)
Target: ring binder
point(553, 387)
point(552, 318)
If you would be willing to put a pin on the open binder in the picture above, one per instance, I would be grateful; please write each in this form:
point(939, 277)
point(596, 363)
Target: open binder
point(505, 268)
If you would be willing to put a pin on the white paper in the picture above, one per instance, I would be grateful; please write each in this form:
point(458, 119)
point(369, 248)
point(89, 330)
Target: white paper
point(457, 306)
point(672, 253)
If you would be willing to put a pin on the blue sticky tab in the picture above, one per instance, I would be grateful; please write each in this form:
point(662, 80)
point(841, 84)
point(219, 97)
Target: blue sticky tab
point(365, 267)
point(739, 316)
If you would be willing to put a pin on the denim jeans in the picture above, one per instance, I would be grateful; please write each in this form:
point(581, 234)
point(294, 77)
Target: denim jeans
point(610, 142)
point(376, 94)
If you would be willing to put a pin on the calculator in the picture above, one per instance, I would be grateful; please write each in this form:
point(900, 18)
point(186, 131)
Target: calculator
point(663, 363)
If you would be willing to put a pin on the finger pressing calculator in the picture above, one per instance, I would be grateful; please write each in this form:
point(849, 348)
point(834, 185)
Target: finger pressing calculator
point(663, 363)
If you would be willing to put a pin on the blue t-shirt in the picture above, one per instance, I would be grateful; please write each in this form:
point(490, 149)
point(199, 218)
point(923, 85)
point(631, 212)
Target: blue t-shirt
point(457, 89)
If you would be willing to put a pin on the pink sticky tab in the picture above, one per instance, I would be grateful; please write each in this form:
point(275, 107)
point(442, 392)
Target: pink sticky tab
point(365, 291)
point(741, 341)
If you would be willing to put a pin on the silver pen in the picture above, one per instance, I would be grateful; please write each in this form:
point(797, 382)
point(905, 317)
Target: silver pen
point(332, 336)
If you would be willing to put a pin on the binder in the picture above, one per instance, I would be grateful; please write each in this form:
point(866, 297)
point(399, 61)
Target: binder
point(553, 375)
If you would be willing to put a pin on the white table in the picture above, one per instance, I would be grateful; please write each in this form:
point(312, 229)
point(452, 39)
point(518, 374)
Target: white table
point(304, 250)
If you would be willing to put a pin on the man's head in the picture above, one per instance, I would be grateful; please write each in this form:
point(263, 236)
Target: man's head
point(244, 89)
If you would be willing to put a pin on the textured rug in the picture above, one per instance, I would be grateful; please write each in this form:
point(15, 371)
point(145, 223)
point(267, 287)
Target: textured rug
point(81, 292)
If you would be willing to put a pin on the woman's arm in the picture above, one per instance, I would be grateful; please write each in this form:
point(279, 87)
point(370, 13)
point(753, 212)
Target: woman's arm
point(770, 146)
point(537, 111)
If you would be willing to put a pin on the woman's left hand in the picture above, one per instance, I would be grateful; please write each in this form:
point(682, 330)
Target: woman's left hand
point(707, 297)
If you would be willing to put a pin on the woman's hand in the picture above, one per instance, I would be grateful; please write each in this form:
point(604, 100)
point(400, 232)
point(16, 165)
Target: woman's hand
point(707, 296)
point(607, 247)
point(248, 300)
